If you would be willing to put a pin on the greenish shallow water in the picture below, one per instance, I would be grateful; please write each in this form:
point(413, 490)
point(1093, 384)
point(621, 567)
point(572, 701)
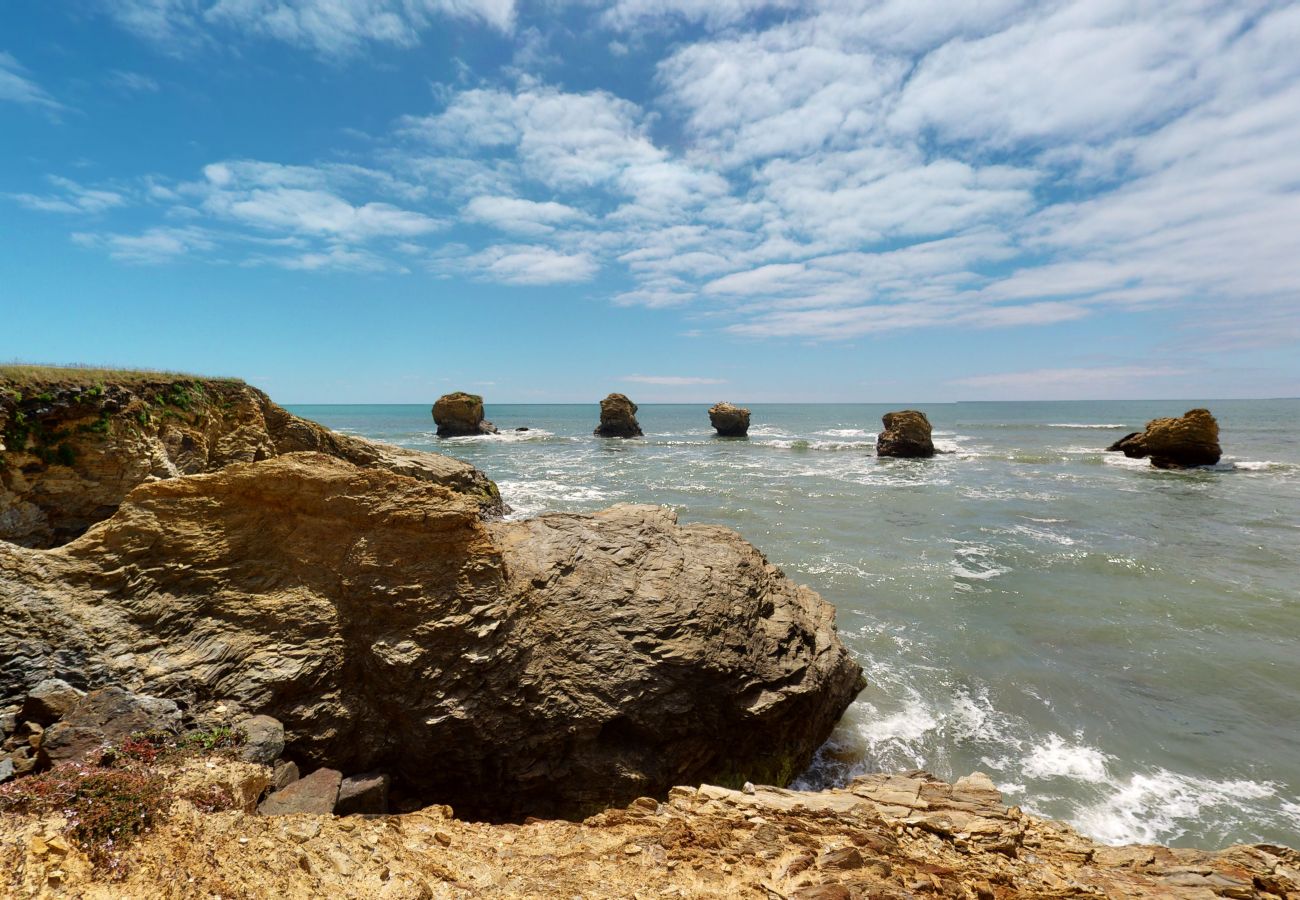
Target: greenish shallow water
point(1116, 646)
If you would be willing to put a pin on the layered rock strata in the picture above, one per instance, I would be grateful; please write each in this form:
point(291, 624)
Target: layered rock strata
point(883, 836)
point(729, 420)
point(1191, 439)
point(906, 434)
point(72, 448)
point(618, 418)
point(460, 415)
point(540, 667)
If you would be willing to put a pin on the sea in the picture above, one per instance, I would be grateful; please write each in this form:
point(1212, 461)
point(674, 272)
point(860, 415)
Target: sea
point(1114, 645)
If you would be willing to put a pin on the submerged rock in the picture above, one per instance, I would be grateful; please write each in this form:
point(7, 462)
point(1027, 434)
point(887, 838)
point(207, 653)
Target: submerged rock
point(460, 414)
point(729, 420)
point(1192, 439)
point(618, 418)
point(906, 434)
point(73, 451)
point(508, 668)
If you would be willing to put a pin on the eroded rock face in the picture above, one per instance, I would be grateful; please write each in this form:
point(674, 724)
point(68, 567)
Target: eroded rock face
point(729, 420)
point(1191, 439)
point(906, 434)
point(537, 667)
point(460, 414)
point(618, 418)
point(72, 452)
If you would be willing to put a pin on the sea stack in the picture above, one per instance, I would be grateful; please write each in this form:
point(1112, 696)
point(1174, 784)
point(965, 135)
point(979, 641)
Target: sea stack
point(618, 418)
point(906, 434)
point(729, 420)
point(1192, 439)
point(458, 414)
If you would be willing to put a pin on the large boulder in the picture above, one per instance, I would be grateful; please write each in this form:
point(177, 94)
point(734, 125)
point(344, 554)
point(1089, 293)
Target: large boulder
point(507, 668)
point(460, 414)
point(73, 444)
point(618, 418)
point(906, 434)
point(104, 718)
point(729, 420)
point(1192, 439)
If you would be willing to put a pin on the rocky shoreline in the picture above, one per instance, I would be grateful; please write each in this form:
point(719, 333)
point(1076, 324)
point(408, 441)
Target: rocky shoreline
point(181, 556)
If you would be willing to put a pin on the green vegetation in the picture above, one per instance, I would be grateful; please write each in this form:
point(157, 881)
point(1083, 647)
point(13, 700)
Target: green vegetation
point(109, 805)
point(20, 376)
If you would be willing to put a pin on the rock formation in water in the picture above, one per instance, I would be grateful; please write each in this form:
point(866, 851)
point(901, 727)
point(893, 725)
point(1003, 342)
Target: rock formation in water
point(618, 418)
point(906, 434)
point(1192, 439)
point(460, 414)
point(72, 447)
point(537, 667)
point(729, 420)
point(882, 836)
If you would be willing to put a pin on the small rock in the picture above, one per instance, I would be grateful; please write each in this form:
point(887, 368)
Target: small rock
point(442, 838)
point(49, 701)
point(843, 859)
point(748, 787)
point(263, 739)
point(316, 794)
point(729, 420)
point(6, 769)
point(906, 434)
point(363, 794)
point(283, 775)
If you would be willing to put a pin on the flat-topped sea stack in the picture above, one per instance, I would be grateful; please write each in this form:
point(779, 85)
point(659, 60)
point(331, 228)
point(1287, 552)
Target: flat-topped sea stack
point(906, 434)
point(618, 418)
point(729, 420)
point(75, 442)
point(1191, 439)
point(459, 414)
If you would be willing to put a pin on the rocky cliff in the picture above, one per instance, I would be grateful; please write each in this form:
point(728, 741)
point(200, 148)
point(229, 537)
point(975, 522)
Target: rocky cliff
point(540, 667)
point(73, 443)
point(887, 837)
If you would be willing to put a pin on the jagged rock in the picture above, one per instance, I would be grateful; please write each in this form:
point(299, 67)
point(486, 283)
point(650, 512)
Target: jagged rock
point(729, 420)
point(69, 460)
point(508, 668)
point(618, 418)
point(314, 794)
point(6, 769)
point(104, 718)
point(459, 414)
point(363, 794)
point(1175, 443)
point(906, 434)
point(50, 701)
point(263, 739)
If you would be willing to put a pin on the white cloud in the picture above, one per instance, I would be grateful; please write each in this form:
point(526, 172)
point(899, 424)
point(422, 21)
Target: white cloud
point(530, 265)
point(519, 215)
point(132, 82)
point(72, 198)
point(153, 246)
point(17, 87)
point(328, 27)
point(672, 380)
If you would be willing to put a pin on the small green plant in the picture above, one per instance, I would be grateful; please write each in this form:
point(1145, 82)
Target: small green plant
point(45, 397)
point(219, 738)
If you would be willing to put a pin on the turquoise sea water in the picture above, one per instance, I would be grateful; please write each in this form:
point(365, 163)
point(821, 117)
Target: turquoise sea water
point(1115, 646)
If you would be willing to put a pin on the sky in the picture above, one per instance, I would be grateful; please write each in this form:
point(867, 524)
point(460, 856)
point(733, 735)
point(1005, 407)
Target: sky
point(683, 200)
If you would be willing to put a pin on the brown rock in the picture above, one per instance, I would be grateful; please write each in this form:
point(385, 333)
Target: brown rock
point(104, 718)
point(906, 434)
point(73, 450)
point(729, 420)
point(363, 794)
point(506, 668)
point(618, 418)
point(50, 701)
point(1176, 443)
point(459, 414)
point(315, 795)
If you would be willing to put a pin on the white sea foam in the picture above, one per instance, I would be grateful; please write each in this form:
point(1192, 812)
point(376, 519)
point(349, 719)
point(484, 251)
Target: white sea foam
point(528, 498)
point(505, 437)
point(1110, 426)
point(1056, 758)
point(975, 561)
point(1159, 807)
point(1042, 534)
point(848, 432)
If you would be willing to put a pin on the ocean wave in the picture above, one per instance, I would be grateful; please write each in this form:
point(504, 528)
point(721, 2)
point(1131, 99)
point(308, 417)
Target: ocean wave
point(507, 437)
point(975, 562)
point(528, 498)
point(1109, 426)
point(848, 432)
point(1055, 758)
point(1159, 807)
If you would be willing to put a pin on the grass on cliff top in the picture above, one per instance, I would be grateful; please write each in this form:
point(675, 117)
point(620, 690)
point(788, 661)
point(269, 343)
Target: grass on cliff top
point(23, 375)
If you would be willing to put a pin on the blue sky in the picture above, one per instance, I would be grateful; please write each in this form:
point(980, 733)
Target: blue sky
point(685, 200)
